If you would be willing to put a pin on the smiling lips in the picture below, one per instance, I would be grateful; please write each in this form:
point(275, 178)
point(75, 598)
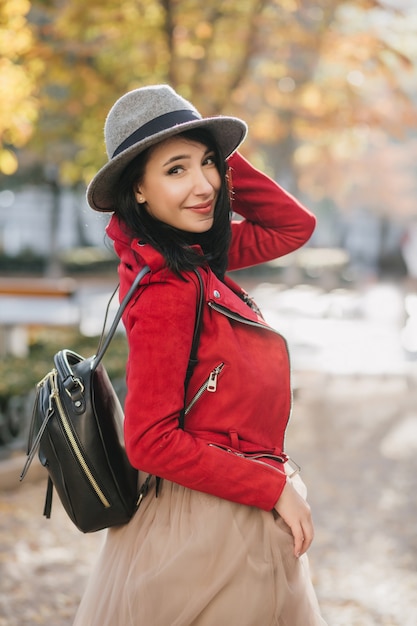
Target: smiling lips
point(205, 207)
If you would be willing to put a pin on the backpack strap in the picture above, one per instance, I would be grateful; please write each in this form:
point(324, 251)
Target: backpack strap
point(48, 498)
point(104, 342)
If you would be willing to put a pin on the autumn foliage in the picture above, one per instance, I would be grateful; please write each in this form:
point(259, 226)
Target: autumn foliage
point(318, 81)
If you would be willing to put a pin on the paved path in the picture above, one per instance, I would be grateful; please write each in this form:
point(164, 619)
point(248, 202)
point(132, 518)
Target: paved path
point(356, 439)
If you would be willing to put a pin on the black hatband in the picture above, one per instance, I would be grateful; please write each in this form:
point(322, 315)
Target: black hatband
point(157, 125)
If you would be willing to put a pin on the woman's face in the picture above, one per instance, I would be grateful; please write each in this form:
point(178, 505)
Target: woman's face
point(180, 184)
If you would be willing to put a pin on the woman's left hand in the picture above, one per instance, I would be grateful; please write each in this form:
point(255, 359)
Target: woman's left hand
point(295, 511)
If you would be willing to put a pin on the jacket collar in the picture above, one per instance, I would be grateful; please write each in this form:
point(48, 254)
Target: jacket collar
point(228, 294)
point(134, 253)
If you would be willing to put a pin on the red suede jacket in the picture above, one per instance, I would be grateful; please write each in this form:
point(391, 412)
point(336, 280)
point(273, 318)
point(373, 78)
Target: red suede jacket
point(239, 397)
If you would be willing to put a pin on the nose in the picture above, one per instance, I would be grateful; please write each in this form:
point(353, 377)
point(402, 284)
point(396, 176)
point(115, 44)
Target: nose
point(202, 183)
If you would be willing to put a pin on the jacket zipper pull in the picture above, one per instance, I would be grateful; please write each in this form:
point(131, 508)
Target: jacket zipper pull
point(212, 381)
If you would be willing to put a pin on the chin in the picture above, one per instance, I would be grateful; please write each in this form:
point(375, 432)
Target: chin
point(203, 227)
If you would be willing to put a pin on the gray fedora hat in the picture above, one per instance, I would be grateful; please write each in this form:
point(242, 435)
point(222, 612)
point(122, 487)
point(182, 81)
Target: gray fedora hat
point(144, 117)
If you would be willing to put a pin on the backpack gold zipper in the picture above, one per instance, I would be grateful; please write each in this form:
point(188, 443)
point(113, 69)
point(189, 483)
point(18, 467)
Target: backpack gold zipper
point(73, 442)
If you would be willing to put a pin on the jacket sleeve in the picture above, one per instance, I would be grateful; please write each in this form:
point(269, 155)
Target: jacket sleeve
point(274, 223)
point(159, 329)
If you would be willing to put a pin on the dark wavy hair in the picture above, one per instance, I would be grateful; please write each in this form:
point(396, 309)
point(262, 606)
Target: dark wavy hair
point(172, 243)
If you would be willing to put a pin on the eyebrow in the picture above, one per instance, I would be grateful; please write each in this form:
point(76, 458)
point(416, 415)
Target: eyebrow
point(179, 157)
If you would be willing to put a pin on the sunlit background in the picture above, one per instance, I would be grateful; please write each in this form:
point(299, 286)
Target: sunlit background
point(329, 91)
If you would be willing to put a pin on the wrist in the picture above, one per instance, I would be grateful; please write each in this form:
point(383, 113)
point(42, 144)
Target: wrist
point(284, 485)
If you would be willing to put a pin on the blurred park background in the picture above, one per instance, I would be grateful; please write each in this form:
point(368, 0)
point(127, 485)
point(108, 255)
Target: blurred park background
point(329, 91)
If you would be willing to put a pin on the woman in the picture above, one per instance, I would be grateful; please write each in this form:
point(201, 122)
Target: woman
point(224, 541)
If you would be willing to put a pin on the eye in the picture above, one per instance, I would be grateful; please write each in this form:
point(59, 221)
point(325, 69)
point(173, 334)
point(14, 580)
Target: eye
point(210, 159)
point(177, 169)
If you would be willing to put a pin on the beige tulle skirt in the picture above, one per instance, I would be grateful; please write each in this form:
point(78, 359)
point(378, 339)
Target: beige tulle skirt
point(191, 559)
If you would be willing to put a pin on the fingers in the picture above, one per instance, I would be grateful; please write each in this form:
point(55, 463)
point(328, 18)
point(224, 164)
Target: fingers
point(303, 537)
point(299, 539)
point(296, 512)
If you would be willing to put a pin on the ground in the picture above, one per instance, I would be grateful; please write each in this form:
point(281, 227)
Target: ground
point(356, 440)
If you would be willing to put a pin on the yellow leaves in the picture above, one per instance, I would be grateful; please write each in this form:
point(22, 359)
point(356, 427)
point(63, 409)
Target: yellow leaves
point(289, 6)
point(15, 35)
point(11, 9)
point(190, 44)
point(204, 30)
point(289, 68)
point(70, 173)
point(312, 98)
point(189, 50)
point(8, 162)
point(15, 41)
point(17, 109)
point(18, 75)
point(267, 127)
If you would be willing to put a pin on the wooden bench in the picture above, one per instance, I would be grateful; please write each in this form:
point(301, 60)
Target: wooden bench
point(29, 302)
point(38, 287)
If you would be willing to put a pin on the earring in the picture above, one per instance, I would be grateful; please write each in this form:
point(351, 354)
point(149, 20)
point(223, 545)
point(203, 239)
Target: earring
point(141, 200)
